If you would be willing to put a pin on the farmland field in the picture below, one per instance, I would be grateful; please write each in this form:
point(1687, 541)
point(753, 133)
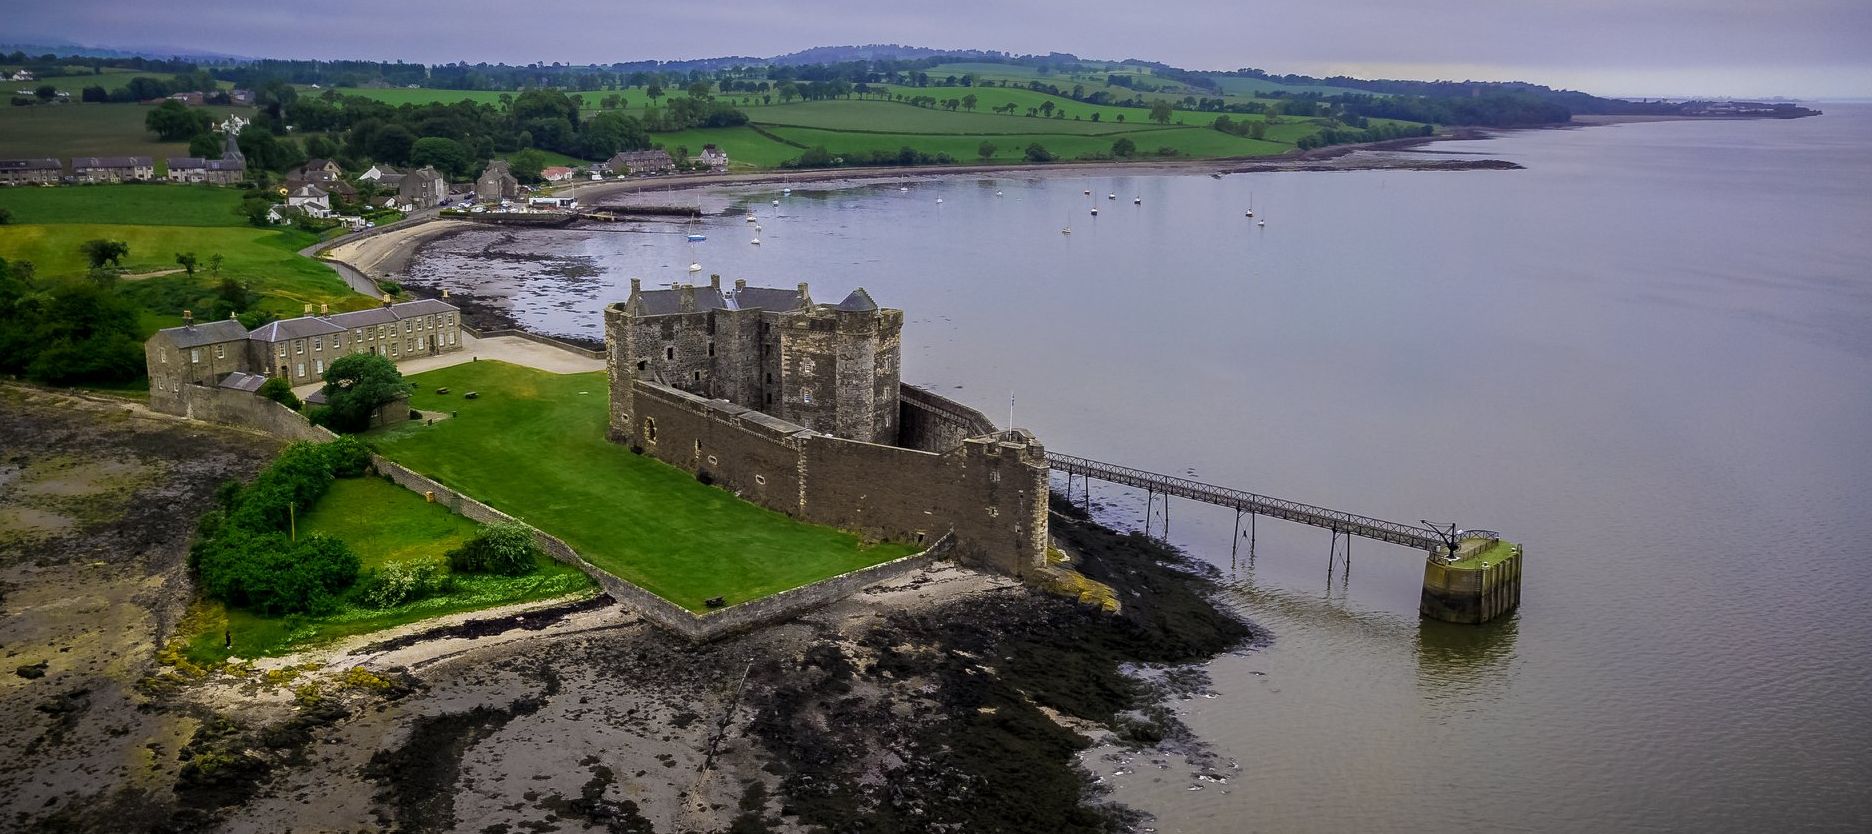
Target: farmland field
point(989, 98)
point(1190, 141)
point(745, 146)
point(895, 117)
point(68, 130)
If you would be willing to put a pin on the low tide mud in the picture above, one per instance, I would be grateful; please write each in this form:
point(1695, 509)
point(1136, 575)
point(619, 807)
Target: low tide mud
point(945, 700)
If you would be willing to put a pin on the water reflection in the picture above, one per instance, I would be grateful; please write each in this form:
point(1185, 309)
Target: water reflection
point(1466, 664)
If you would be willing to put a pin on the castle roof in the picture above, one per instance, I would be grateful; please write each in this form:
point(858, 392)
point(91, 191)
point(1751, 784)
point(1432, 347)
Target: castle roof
point(766, 298)
point(858, 302)
point(666, 302)
point(206, 333)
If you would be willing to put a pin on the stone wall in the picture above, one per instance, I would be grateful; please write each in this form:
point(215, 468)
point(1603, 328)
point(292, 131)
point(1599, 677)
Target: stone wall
point(935, 423)
point(659, 611)
point(533, 337)
point(1471, 595)
point(990, 490)
point(240, 408)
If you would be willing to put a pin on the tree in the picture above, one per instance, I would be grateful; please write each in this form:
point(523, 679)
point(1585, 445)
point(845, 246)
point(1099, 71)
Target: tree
point(527, 165)
point(700, 89)
point(1124, 148)
point(214, 265)
point(95, 92)
point(1160, 112)
point(46, 92)
point(1037, 152)
point(355, 387)
point(99, 252)
point(6, 216)
point(1046, 108)
point(1121, 117)
point(277, 389)
point(986, 150)
point(504, 548)
point(654, 91)
point(173, 121)
point(390, 144)
point(969, 101)
point(205, 145)
point(187, 261)
point(447, 155)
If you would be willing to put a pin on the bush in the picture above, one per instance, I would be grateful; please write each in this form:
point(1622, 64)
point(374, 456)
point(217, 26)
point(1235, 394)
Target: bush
point(505, 548)
point(1037, 152)
point(399, 582)
point(280, 391)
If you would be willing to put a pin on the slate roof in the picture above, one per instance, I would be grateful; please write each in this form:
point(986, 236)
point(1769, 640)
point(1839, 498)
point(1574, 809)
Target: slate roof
point(422, 307)
point(311, 191)
point(42, 164)
point(226, 165)
point(242, 381)
point(363, 318)
point(766, 298)
point(206, 333)
point(111, 162)
point(858, 302)
point(183, 163)
point(298, 328)
point(665, 302)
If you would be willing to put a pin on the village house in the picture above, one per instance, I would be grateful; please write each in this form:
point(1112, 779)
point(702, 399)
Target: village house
point(225, 354)
point(424, 188)
point(230, 169)
point(310, 199)
point(382, 174)
point(640, 162)
point(241, 98)
point(497, 182)
point(30, 171)
point(556, 173)
point(20, 75)
point(715, 158)
point(113, 168)
point(191, 98)
point(324, 173)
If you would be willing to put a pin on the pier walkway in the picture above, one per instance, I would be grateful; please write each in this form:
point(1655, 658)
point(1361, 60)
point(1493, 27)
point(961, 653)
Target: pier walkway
point(1337, 521)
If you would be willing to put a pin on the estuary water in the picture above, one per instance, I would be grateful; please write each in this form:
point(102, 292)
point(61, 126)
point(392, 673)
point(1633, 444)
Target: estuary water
point(1647, 357)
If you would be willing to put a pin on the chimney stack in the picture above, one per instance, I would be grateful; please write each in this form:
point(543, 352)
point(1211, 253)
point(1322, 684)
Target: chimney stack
point(714, 281)
point(188, 318)
point(636, 286)
point(386, 300)
point(308, 308)
point(688, 298)
point(445, 292)
point(805, 299)
point(740, 284)
point(324, 309)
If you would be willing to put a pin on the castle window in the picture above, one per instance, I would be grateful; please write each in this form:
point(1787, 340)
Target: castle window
point(649, 429)
point(163, 356)
point(770, 379)
point(695, 376)
point(698, 448)
point(194, 356)
point(643, 365)
point(712, 461)
point(770, 398)
point(669, 353)
point(806, 397)
point(711, 348)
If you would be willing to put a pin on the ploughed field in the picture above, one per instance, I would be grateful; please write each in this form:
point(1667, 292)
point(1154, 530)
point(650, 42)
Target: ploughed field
point(532, 444)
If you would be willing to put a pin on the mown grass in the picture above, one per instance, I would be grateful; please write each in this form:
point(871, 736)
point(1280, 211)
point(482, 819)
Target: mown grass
point(897, 117)
point(147, 204)
point(533, 445)
point(1492, 554)
point(92, 129)
point(1135, 118)
point(746, 147)
point(381, 522)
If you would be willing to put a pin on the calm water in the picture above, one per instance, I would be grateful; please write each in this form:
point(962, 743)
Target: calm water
point(1648, 357)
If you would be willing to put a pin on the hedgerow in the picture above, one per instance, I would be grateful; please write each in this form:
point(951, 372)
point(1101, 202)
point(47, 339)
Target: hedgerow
point(247, 555)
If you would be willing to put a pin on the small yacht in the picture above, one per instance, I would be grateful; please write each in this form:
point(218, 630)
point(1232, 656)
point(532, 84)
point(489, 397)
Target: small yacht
point(938, 199)
point(1216, 176)
point(997, 193)
point(903, 188)
point(1111, 196)
point(1095, 212)
point(1137, 201)
point(786, 190)
point(752, 219)
point(1260, 222)
point(697, 238)
point(776, 202)
point(695, 267)
point(755, 241)
point(1088, 192)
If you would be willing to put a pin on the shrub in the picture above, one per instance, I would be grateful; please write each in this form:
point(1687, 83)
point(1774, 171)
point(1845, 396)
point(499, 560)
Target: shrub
point(347, 457)
point(399, 582)
point(1037, 152)
point(271, 574)
point(280, 391)
point(505, 548)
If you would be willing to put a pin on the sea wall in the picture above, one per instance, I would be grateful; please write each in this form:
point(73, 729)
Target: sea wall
point(663, 613)
point(229, 407)
point(990, 491)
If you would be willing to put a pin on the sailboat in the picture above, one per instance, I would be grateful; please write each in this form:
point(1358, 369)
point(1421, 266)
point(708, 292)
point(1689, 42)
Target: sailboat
point(697, 238)
point(1137, 201)
point(1251, 204)
point(755, 241)
point(1067, 229)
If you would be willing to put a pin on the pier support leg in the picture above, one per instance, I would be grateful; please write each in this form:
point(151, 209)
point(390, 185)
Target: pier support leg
point(1150, 503)
point(1166, 534)
point(1251, 538)
point(1235, 543)
point(1332, 554)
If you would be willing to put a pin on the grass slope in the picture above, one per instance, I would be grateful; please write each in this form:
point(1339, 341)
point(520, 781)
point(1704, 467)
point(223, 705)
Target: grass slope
point(896, 117)
point(1189, 141)
point(381, 522)
point(533, 445)
point(137, 204)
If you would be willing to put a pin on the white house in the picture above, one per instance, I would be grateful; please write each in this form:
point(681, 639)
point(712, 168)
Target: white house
point(556, 173)
point(21, 75)
point(310, 199)
point(377, 173)
point(715, 158)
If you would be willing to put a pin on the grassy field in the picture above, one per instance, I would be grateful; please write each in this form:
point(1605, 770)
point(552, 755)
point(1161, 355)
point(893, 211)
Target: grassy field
point(158, 221)
point(533, 445)
point(895, 117)
point(400, 95)
point(381, 522)
point(69, 130)
point(745, 146)
point(1190, 141)
point(989, 98)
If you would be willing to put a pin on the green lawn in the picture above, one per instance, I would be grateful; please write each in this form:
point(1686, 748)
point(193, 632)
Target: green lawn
point(1489, 555)
point(131, 203)
point(896, 117)
point(745, 146)
point(381, 522)
point(533, 445)
point(1135, 118)
point(94, 129)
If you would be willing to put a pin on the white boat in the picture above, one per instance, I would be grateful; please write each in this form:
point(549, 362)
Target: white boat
point(697, 238)
point(1137, 201)
point(776, 202)
point(997, 193)
point(938, 199)
point(1095, 212)
point(786, 190)
point(1066, 231)
point(752, 219)
point(755, 241)
point(1088, 192)
point(1251, 204)
point(903, 188)
point(1111, 196)
point(695, 267)
point(1260, 222)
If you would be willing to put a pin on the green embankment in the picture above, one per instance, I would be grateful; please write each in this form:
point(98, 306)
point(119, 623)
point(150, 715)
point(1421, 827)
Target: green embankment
point(533, 445)
point(158, 221)
point(381, 522)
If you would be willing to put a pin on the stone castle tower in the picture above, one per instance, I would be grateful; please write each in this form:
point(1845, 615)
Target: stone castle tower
point(831, 368)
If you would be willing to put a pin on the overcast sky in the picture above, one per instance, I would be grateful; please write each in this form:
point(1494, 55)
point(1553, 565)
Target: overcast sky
point(1609, 47)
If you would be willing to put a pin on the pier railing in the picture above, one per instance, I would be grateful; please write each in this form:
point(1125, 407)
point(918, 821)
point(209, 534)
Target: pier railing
point(1248, 502)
